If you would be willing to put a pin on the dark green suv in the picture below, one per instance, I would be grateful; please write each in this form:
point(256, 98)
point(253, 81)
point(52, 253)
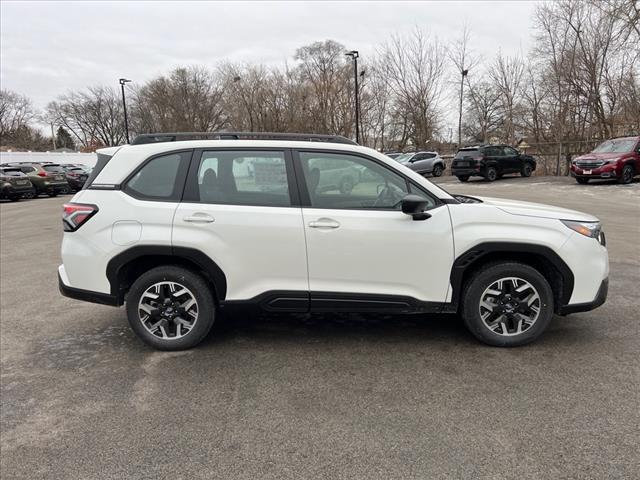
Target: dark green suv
point(47, 178)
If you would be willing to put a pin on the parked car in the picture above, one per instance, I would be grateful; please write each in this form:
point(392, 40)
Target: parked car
point(46, 177)
point(423, 162)
point(393, 155)
point(618, 158)
point(491, 162)
point(334, 174)
point(75, 177)
point(174, 232)
point(15, 184)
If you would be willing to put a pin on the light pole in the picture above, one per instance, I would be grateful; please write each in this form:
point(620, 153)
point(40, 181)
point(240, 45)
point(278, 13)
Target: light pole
point(354, 56)
point(124, 107)
point(464, 74)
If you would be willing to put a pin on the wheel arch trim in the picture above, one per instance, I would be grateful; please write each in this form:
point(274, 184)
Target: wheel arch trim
point(116, 268)
point(476, 254)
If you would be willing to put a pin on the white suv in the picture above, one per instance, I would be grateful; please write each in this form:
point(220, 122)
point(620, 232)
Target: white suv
point(182, 229)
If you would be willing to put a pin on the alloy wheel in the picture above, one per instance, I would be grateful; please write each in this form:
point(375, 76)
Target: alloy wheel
point(509, 306)
point(168, 310)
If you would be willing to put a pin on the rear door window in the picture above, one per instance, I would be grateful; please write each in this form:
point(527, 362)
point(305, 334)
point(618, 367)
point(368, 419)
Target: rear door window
point(232, 177)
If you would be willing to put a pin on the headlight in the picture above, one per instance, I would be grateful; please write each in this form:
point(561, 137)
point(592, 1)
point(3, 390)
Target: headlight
point(588, 229)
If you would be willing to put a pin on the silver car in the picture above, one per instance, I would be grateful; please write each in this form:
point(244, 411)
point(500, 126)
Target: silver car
point(423, 162)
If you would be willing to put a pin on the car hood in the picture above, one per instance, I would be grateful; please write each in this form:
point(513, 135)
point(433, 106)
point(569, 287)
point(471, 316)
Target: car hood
point(600, 156)
point(516, 207)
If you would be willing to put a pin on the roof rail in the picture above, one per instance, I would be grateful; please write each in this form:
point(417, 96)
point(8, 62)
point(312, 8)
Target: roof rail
point(178, 136)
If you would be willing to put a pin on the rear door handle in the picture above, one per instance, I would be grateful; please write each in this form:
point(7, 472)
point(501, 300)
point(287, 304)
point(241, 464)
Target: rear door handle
point(324, 223)
point(199, 218)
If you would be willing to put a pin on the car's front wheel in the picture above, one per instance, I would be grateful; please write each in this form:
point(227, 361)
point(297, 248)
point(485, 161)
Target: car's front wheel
point(627, 175)
point(463, 178)
point(170, 308)
point(507, 304)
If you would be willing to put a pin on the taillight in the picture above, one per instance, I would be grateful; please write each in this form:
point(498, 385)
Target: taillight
point(43, 174)
point(74, 215)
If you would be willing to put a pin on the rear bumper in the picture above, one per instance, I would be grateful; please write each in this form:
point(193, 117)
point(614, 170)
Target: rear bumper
point(15, 191)
point(462, 171)
point(86, 295)
point(601, 297)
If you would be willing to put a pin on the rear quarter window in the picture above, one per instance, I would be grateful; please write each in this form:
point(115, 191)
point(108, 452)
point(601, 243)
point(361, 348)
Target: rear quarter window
point(160, 178)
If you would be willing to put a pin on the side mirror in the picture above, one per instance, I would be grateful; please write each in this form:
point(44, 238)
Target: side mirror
point(414, 205)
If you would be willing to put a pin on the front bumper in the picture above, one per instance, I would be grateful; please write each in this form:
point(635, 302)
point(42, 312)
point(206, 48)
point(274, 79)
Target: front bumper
point(605, 171)
point(601, 297)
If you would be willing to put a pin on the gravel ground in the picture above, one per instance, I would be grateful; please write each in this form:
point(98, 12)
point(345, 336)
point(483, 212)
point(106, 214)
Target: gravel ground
point(321, 396)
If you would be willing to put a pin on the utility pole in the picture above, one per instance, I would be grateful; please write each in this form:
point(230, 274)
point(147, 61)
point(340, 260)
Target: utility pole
point(53, 137)
point(124, 107)
point(464, 74)
point(354, 56)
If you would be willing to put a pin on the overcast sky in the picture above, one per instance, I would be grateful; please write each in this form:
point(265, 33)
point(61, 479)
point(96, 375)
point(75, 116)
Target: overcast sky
point(51, 47)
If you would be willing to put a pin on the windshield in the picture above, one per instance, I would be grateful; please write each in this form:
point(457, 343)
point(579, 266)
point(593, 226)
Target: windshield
point(616, 146)
point(12, 172)
point(53, 168)
point(404, 157)
point(473, 153)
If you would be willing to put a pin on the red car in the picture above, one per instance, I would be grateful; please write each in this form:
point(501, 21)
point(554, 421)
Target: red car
point(617, 158)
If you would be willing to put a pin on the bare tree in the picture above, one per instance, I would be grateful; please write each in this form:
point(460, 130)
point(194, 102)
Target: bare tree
point(93, 117)
point(187, 99)
point(506, 74)
point(415, 68)
point(464, 61)
point(16, 111)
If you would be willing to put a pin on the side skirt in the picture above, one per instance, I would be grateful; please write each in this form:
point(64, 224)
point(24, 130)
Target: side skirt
point(303, 302)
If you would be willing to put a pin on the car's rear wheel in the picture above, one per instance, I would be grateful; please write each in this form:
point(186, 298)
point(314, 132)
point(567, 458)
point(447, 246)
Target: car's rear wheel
point(626, 176)
point(507, 304)
point(170, 308)
point(526, 170)
point(582, 180)
point(437, 170)
point(491, 174)
point(463, 178)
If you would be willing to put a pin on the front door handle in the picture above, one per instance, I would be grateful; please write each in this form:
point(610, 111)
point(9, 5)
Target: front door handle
point(324, 223)
point(199, 218)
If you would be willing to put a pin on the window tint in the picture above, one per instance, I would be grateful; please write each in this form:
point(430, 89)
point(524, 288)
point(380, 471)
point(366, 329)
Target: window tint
point(510, 152)
point(27, 169)
point(53, 168)
point(243, 178)
point(344, 181)
point(157, 178)
point(473, 153)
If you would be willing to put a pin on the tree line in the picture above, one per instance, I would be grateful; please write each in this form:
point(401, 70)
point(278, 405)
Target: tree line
point(580, 81)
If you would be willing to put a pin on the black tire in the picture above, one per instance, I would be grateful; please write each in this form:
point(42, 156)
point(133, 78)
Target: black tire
point(526, 170)
point(437, 170)
point(482, 280)
point(582, 180)
point(201, 291)
point(490, 174)
point(626, 176)
point(463, 178)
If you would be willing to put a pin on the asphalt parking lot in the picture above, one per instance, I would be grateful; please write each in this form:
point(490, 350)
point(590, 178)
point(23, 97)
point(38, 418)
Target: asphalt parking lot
point(322, 396)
